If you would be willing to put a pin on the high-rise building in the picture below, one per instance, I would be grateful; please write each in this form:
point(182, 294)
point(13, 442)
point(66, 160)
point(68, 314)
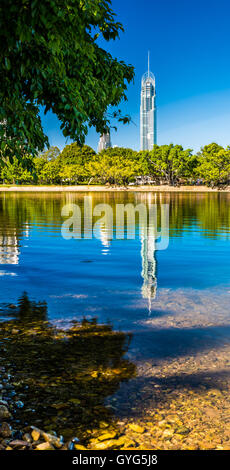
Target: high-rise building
point(148, 115)
point(104, 142)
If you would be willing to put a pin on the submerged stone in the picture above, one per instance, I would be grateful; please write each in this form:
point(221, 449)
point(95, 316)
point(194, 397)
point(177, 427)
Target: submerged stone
point(4, 412)
point(5, 430)
point(136, 428)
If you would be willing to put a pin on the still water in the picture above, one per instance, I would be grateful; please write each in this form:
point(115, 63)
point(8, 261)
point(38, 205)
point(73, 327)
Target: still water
point(174, 302)
point(109, 278)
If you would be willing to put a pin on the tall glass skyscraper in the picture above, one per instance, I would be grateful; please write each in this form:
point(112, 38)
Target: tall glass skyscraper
point(148, 113)
point(104, 142)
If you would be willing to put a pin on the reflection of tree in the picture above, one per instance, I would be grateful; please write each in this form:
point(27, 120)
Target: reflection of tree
point(30, 310)
point(64, 375)
point(209, 211)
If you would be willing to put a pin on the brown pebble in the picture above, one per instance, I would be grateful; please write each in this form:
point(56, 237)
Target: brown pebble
point(5, 430)
point(45, 446)
point(35, 435)
point(18, 443)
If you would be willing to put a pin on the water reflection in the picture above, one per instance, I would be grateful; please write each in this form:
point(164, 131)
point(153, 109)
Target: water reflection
point(9, 249)
point(30, 238)
point(149, 288)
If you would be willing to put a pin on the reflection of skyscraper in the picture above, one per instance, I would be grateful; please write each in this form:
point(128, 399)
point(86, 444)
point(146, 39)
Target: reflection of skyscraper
point(104, 142)
point(148, 128)
point(10, 245)
point(9, 249)
point(149, 287)
point(105, 241)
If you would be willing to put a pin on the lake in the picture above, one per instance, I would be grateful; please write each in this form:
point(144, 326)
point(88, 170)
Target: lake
point(172, 297)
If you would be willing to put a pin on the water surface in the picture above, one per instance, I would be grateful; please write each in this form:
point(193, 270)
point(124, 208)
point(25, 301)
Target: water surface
point(175, 301)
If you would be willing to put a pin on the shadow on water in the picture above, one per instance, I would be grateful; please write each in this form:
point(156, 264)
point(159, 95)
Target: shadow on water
point(62, 376)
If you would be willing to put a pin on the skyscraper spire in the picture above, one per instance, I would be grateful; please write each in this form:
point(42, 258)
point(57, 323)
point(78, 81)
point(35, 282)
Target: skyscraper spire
point(148, 126)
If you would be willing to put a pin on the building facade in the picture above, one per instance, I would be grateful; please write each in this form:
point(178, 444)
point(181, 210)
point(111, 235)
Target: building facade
point(104, 142)
point(148, 113)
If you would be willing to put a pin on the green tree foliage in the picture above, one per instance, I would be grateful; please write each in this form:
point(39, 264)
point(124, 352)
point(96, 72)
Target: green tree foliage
point(50, 173)
point(214, 164)
point(73, 154)
point(51, 154)
point(47, 166)
point(170, 163)
point(166, 164)
point(50, 58)
point(114, 166)
point(16, 171)
point(73, 163)
point(73, 174)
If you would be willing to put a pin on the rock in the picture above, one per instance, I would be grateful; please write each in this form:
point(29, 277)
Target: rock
point(168, 433)
point(104, 445)
point(136, 428)
point(35, 435)
point(75, 440)
point(79, 447)
point(75, 401)
point(3, 402)
point(107, 435)
point(54, 440)
point(5, 430)
point(18, 443)
point(4, 412)
point(182, 430)
point(27, 437)
point(71, 446)
point(44, 446)
point(110, 444)
point(17, 435)
point(19, 404)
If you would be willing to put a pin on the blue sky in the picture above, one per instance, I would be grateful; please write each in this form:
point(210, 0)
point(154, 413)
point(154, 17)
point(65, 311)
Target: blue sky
point(189, 42)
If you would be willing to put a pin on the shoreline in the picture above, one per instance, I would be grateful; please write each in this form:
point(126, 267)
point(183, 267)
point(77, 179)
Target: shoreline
point(87, 188)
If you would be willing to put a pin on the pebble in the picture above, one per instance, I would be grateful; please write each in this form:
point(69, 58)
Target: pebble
point(44, 446)
point(35, 435)
point(4, 412)
point(18, 443)
point(5, 430)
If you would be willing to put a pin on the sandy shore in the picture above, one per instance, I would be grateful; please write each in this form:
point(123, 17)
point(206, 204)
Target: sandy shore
point(85, 188)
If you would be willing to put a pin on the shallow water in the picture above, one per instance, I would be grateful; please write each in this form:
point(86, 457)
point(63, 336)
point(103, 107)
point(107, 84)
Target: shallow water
point(175, 301)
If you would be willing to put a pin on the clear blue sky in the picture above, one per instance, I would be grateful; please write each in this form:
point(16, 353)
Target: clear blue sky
point(189, 43)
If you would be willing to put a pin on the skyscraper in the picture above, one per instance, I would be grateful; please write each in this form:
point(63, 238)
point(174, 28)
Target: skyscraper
point(148, 131)
point(104, 142)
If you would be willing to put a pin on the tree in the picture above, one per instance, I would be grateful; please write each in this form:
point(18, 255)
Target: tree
point(50, 58)
point(114, 167)
point(171, 162)
point(73, 174)
point(16, 171)
point(50, 173)
point(51, 154)
point(214, 164)
point(73, 154)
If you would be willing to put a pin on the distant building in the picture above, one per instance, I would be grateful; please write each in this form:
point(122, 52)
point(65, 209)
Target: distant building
point(104, 142)
point(148, 115)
